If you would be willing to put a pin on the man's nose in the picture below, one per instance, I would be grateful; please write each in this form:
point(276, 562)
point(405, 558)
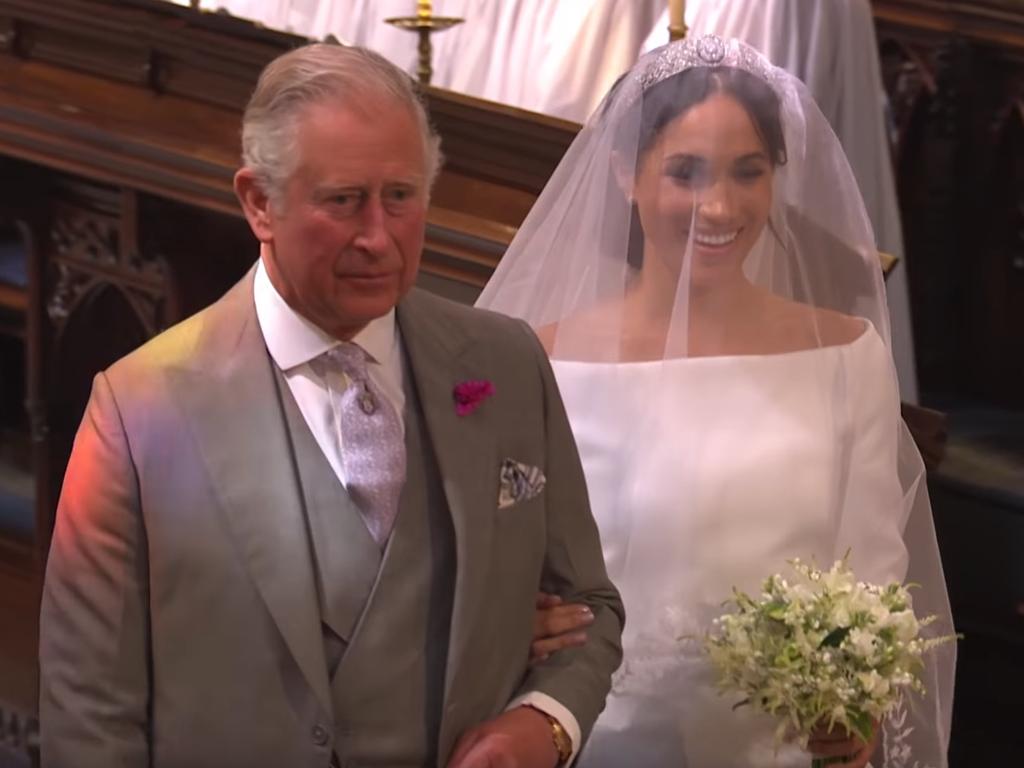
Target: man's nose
point(373, 235)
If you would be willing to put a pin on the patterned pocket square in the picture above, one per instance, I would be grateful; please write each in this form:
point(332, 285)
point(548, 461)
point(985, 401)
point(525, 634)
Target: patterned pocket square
point(519, 482)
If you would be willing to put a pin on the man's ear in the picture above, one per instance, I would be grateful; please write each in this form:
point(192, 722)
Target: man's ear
point(255, 204)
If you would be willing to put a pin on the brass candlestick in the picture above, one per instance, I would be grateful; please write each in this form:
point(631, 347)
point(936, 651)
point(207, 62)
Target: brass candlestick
point(677, 33)
point(425, 23)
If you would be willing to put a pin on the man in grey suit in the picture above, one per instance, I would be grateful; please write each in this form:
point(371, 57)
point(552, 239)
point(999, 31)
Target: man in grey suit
point(307, 526)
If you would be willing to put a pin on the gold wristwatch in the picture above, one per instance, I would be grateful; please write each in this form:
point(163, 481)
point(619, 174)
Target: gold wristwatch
point(559, 737)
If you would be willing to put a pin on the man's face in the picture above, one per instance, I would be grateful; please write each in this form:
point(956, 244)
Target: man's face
point(345, 238)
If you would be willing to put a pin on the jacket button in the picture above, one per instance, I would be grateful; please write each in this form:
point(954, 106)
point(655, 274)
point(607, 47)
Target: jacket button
point(319, 735)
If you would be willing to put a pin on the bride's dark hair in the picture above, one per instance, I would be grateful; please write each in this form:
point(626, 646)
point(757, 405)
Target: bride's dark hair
point(664, 101)
point(670, 98)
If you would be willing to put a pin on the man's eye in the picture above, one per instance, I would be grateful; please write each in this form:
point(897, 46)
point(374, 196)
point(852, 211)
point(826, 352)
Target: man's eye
point(400, 194)
point(345, 202)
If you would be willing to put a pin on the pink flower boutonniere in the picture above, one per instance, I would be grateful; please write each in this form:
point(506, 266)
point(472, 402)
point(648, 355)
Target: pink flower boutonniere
point(469, 395)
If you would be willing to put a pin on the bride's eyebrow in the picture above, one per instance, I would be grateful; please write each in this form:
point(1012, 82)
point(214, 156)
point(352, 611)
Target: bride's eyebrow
point(684, 157)
point(692, 158)
point(752, 156)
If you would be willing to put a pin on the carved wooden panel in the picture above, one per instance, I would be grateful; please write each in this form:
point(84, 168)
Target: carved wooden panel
point(954, 73)
point(995, 303)
point(93, 248)
point(100, 297)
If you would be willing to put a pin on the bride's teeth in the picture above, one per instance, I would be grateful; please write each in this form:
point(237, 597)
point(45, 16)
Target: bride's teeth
point(716, 239)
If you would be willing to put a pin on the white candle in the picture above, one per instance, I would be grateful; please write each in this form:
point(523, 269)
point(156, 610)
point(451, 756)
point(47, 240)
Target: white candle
point(676, 13)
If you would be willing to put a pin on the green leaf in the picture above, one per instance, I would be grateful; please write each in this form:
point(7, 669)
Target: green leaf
point(835, 638)
point(863, 725)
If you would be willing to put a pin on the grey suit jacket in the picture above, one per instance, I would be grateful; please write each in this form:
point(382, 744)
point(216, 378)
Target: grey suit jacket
point(180, 623)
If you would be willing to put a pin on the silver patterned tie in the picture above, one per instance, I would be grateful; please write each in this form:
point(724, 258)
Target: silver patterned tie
point(372, 448)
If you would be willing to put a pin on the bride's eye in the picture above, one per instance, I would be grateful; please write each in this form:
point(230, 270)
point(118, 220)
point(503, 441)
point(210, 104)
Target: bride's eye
point(749, 174)
point(688, 171)
point(749, 171)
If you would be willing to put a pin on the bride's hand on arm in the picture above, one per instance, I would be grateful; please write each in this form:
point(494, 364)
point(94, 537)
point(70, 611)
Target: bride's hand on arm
point(557, 625)
point(839, 744)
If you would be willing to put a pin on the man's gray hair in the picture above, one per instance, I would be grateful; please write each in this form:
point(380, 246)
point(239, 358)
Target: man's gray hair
point(319, 73)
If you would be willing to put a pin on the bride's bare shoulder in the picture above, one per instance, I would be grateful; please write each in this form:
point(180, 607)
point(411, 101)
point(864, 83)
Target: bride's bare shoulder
point(546, 334)
point(592, 322)
point(818, 326)
point(838, 329)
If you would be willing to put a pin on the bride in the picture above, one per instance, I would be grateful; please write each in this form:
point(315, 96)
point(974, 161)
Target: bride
point(703, 274)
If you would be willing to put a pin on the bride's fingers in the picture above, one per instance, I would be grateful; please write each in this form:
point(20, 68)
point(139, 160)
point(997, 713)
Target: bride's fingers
point(551, 622)
point(540, 650)
point(845, 748)
point(853, 760)
point(840, 744)
point(836, 745)
point(826, 739)
point(557, 626)
point(547, 600)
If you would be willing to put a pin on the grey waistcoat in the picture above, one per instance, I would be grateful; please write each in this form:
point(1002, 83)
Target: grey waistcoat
point(385, 617)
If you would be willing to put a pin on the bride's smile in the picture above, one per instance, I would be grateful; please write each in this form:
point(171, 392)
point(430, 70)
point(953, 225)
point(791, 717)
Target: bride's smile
point(713, 240)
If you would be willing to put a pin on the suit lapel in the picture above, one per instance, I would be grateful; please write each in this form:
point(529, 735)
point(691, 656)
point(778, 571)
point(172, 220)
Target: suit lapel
point(440, 357)
point(232, 406)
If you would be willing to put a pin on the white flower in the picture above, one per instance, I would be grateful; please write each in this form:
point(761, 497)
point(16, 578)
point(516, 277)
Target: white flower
point(861, 642)
point(838, 579)
point(905, 624)
point(860, 599)
point(874, 684)
point(841, 616)
point(879, 613)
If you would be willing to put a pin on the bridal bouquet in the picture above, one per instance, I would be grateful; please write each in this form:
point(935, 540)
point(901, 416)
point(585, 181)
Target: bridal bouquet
point(821, 649)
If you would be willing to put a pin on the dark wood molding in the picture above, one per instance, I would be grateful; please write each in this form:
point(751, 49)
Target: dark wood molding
point(1000, 24)
point(105, 75)
point(158, 45)
point(497, 142)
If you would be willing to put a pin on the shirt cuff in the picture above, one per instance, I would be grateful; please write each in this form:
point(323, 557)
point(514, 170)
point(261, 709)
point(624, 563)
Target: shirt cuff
point(549, 706)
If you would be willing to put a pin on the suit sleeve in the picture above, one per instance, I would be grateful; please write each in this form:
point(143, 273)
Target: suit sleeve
point(94, 623)
point(578, 678)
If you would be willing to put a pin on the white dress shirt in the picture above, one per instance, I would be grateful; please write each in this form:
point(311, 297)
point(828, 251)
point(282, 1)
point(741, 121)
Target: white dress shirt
point(296, 346)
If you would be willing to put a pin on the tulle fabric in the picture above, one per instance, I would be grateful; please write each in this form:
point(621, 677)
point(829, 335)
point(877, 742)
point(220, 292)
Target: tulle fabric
point(579, 272)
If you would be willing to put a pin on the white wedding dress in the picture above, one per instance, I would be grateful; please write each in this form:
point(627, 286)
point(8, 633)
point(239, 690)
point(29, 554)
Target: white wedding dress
point(708, 473)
